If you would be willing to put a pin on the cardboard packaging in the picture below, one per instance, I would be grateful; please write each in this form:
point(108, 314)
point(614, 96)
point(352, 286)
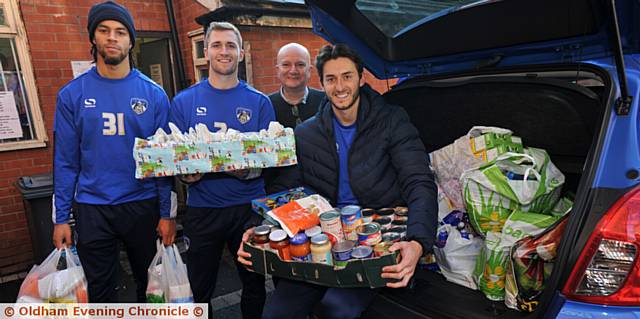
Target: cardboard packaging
point(358, 273)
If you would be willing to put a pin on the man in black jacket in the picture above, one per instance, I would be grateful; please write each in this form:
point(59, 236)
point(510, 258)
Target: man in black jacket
point(359, 150)
point(295, 101)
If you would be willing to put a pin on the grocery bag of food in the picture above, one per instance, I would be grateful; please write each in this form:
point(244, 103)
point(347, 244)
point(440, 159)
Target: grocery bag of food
point(528, 181)
point(530, 265)
point(489, 270)
point(522, 224)
point(168, 280)
point(482, 144)
point(155, 289)
point(562, 207)
point(457, 258)
point(58, 279)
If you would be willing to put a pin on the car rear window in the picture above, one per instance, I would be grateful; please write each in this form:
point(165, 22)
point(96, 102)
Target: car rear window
point(392, 16)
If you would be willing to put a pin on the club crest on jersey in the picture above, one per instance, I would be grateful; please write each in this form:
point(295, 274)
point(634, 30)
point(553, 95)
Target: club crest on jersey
point(139, 105)
point(243, 115)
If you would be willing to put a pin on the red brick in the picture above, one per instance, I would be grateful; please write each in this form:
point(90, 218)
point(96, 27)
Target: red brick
point(17, 163)
point(11, 208)
point(10, 173)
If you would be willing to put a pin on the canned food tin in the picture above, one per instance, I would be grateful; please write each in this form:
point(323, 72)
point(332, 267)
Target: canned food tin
point(315, 230)
point(342, 252)
point(369, 234)
point(367, 214)
point(396, 222)
point(362, 252)
point(384, 222)
point(402, 230)
point(332, 226)
point(385, 212)
point(351, 219)
point(402, 213)
point(382, 248)
point(391, 237)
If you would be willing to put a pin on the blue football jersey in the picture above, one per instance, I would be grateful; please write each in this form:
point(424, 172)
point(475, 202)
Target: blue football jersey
point(242, 108)
point(96, 122)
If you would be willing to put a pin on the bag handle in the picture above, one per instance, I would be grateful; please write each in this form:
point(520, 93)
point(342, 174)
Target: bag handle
point(71, 262)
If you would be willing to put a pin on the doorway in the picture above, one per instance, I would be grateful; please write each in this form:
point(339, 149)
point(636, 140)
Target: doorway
point(153, 57)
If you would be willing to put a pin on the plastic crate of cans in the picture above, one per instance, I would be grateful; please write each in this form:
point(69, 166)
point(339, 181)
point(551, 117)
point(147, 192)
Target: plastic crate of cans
point(355, 273)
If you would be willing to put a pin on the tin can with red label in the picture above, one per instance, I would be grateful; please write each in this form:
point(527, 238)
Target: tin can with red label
point(332, 226)
point(369, 234)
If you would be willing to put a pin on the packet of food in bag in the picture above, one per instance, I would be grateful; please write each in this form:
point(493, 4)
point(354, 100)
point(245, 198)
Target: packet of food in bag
point(300, 214)
point(531, 262)
point(60, 283)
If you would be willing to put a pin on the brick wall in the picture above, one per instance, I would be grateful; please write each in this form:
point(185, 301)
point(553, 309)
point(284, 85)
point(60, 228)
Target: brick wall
point(186, 11)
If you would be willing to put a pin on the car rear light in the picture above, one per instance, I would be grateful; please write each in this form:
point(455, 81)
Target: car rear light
point(608, 271)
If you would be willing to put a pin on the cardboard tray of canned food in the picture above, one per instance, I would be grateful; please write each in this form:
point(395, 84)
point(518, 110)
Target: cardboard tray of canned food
point(357, 273)
point(345, 247)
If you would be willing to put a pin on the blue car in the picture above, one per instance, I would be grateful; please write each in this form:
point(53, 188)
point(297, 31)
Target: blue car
point(562, 74)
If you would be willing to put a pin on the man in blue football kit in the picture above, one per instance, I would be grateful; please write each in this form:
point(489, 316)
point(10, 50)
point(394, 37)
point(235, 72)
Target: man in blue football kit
point(98, 116)
point(218, 204)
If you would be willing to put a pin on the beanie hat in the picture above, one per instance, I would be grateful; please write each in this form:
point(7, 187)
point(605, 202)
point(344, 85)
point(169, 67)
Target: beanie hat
point(110, 10)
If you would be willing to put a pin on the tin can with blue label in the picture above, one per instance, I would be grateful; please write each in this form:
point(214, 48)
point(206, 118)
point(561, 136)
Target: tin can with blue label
point(369, 234)
point(362, 252)
point(342, 252)
point(351, 219)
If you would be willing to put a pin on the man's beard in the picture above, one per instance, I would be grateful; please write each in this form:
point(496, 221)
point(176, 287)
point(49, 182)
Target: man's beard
point(350, 105)
point(111, 60)
point(228, 71)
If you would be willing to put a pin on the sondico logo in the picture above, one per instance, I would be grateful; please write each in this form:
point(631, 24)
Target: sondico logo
point(201, 111)
point(89, 103)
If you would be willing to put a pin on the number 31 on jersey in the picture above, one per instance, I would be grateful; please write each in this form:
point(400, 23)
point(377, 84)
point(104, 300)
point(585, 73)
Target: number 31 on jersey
point(113, 124)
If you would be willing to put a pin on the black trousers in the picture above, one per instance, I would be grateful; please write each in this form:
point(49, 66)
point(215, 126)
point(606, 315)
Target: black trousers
point(100, 228)
point(208, 231)
point(296, 299)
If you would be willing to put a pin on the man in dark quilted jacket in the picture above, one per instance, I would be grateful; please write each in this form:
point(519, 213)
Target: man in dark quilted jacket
point(358, 150)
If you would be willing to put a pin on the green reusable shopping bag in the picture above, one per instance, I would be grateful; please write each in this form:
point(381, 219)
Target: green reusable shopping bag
point(527, 182)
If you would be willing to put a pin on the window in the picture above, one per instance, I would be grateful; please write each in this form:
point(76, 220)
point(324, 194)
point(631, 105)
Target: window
point(393, 16)
point(201, 65)
point(21, 124)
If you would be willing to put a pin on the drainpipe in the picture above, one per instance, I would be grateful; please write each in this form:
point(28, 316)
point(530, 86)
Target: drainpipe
point(182, 81)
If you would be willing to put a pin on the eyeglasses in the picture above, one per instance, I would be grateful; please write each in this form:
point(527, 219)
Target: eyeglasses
point(288, 66)
point(296, 113)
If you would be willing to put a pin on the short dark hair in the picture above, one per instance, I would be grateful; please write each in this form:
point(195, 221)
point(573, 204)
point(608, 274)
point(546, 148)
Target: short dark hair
point(340, 50)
